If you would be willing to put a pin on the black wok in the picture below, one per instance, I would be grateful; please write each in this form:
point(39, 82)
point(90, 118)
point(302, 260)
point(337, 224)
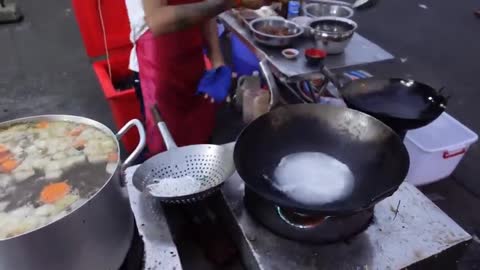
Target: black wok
point(372, 151)
point(402, 104)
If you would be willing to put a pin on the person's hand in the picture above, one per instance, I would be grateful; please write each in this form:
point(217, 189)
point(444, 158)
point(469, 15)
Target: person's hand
point(215, 84)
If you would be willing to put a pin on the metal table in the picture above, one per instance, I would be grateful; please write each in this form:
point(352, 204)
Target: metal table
point(419, 231)
point(160, 250)
point(359, 51)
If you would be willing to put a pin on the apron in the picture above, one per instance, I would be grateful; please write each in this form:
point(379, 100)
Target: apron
point(171, 67)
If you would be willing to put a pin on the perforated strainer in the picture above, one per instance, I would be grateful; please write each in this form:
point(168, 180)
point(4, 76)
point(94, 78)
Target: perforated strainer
point(209, 164)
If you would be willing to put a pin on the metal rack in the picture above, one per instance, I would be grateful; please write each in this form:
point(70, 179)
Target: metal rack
point(281, 73)
point(360, 51)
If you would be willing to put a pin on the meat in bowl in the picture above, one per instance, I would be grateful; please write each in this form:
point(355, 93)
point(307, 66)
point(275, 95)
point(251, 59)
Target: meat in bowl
point(274, 30)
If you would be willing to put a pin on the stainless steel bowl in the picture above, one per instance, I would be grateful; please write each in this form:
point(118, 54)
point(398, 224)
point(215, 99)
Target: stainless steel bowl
point(293, 31)
point(316, 10)
point(332, 34)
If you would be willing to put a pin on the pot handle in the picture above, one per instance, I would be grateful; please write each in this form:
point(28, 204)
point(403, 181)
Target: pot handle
point(141, 141)
point(302, 222)
point(442, 99)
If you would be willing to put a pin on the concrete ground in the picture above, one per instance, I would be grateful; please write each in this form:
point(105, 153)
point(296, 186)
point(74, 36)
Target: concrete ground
point(44, 69)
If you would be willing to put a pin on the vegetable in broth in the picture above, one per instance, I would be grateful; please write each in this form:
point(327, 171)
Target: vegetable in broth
point(48, 169)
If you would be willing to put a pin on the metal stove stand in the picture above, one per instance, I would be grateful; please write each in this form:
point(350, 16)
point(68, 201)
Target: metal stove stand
point(160, 250)
point(395, 239)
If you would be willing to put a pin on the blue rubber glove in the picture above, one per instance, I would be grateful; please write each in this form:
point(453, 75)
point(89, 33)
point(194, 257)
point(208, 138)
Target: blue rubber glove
point(216, 83)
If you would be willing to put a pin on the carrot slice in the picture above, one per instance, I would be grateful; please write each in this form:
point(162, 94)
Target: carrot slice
point(3, 148)
point(54, 192)
point(8, 165)
point(112, 157)
point(42, 124)
point(76, 131)
point(4, 156)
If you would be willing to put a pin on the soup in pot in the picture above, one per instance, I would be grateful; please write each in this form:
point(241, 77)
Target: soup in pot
point(48, 169)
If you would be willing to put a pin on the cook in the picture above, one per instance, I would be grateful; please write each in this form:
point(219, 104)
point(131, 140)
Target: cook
point(169, 37)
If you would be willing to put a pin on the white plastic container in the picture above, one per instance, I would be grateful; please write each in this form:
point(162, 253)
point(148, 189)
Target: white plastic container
point(436, 149)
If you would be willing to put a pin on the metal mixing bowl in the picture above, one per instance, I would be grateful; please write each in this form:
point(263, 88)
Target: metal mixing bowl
point(332, 34)
point(256, 26)
point(316, 10)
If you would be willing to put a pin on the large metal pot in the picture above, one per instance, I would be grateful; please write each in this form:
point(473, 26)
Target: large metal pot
point(97, 235)
point(294, 31)
point(332, 34)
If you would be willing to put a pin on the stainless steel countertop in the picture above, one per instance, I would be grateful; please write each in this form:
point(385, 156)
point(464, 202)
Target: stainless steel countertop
point(359, 51)
point(160, 250)
point(419, 231)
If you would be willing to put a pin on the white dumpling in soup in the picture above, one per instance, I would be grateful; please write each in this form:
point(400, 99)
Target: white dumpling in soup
point(5, 180)
point(97, 158)
point(23, 175)
point(41, 163)
point(45, 210)
point(53, 174)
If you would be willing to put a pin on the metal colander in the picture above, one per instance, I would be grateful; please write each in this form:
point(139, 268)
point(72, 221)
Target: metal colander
point(209, 164)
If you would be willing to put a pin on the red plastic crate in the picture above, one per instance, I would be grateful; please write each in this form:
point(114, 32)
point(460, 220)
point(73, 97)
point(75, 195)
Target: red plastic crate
point(123, 104)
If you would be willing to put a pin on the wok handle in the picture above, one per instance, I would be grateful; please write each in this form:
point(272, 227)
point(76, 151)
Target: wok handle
point(162, 126)
point(308, 222)
point(138, 149)
point(338, 81)
point(332, 77)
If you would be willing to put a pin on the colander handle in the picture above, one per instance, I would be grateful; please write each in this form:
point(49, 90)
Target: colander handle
point(162, 126)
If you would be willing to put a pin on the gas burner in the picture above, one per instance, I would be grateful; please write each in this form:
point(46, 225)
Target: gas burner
point(302, 227)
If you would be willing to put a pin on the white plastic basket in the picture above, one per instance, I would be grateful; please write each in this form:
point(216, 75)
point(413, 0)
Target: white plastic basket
point(436, 149)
